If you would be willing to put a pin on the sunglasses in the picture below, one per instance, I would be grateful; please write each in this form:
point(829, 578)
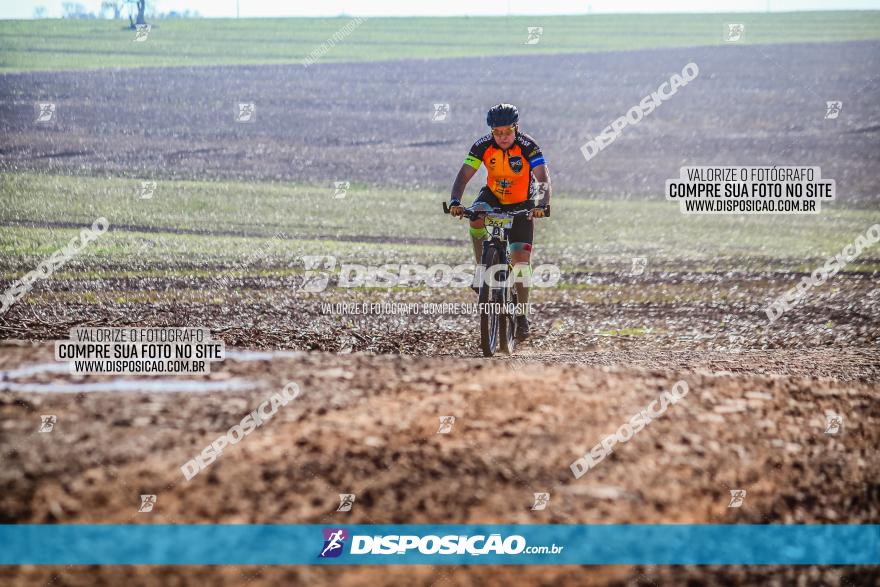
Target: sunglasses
point(503, 131)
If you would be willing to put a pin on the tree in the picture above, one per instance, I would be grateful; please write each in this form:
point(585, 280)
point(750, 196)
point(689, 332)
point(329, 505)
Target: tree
point(114, 5)
point(141, 6)
point(73, 10)
point(40, 12)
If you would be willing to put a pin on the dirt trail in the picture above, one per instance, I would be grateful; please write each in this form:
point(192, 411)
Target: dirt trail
point(368, 425)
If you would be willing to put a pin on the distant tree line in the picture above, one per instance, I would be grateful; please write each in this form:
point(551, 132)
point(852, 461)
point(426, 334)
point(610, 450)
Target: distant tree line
point(113, 9)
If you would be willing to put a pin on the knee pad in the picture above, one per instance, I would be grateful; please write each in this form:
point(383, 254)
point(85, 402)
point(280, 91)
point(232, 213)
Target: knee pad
point(479, 232)
point(514, 247)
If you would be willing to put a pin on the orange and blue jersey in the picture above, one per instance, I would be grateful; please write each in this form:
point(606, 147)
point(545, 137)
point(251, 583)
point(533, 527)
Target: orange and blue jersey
point(509, 171)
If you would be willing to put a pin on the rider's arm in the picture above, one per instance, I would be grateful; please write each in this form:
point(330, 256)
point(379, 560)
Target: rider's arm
point(542, 176)
point(461, 180)
point(539, 168)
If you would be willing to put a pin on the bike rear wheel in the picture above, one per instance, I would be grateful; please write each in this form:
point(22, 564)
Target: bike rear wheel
point(489, 296)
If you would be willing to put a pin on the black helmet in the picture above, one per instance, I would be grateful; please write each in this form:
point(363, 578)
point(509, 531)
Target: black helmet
point(502, 115)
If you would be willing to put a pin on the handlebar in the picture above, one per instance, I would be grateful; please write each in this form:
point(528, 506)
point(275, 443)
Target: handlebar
point(471, 213)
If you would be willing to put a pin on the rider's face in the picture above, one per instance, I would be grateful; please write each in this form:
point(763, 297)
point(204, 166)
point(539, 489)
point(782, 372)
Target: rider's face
point(504, 136)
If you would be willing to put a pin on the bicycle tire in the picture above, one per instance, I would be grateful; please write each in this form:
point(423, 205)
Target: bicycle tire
point(488, 319)
point(507, 322)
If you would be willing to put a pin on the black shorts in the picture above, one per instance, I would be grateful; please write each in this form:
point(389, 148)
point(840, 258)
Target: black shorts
point(523, 229)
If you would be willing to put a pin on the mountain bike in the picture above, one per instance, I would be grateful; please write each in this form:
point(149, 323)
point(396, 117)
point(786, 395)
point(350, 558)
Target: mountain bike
point(497, 294)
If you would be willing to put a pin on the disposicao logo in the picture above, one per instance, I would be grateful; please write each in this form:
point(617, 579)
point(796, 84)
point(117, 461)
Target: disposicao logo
point(432, 544)
point(334, 541)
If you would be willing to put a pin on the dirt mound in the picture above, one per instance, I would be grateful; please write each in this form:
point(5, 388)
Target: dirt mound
point(369, 425)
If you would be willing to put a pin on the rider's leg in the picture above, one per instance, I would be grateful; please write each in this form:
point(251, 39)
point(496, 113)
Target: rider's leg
point(478, 228)
point(520, 258)
point(478, 235)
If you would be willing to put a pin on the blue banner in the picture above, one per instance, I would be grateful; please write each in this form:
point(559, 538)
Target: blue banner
point(454, 544)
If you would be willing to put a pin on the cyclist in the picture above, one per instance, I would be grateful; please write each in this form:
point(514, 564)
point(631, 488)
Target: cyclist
point(517, 175)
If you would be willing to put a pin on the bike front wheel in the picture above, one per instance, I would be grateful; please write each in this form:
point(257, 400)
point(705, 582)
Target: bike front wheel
point(489, 302)
point(507, 322)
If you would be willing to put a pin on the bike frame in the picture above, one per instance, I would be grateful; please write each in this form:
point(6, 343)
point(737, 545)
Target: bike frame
point(499, 239)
